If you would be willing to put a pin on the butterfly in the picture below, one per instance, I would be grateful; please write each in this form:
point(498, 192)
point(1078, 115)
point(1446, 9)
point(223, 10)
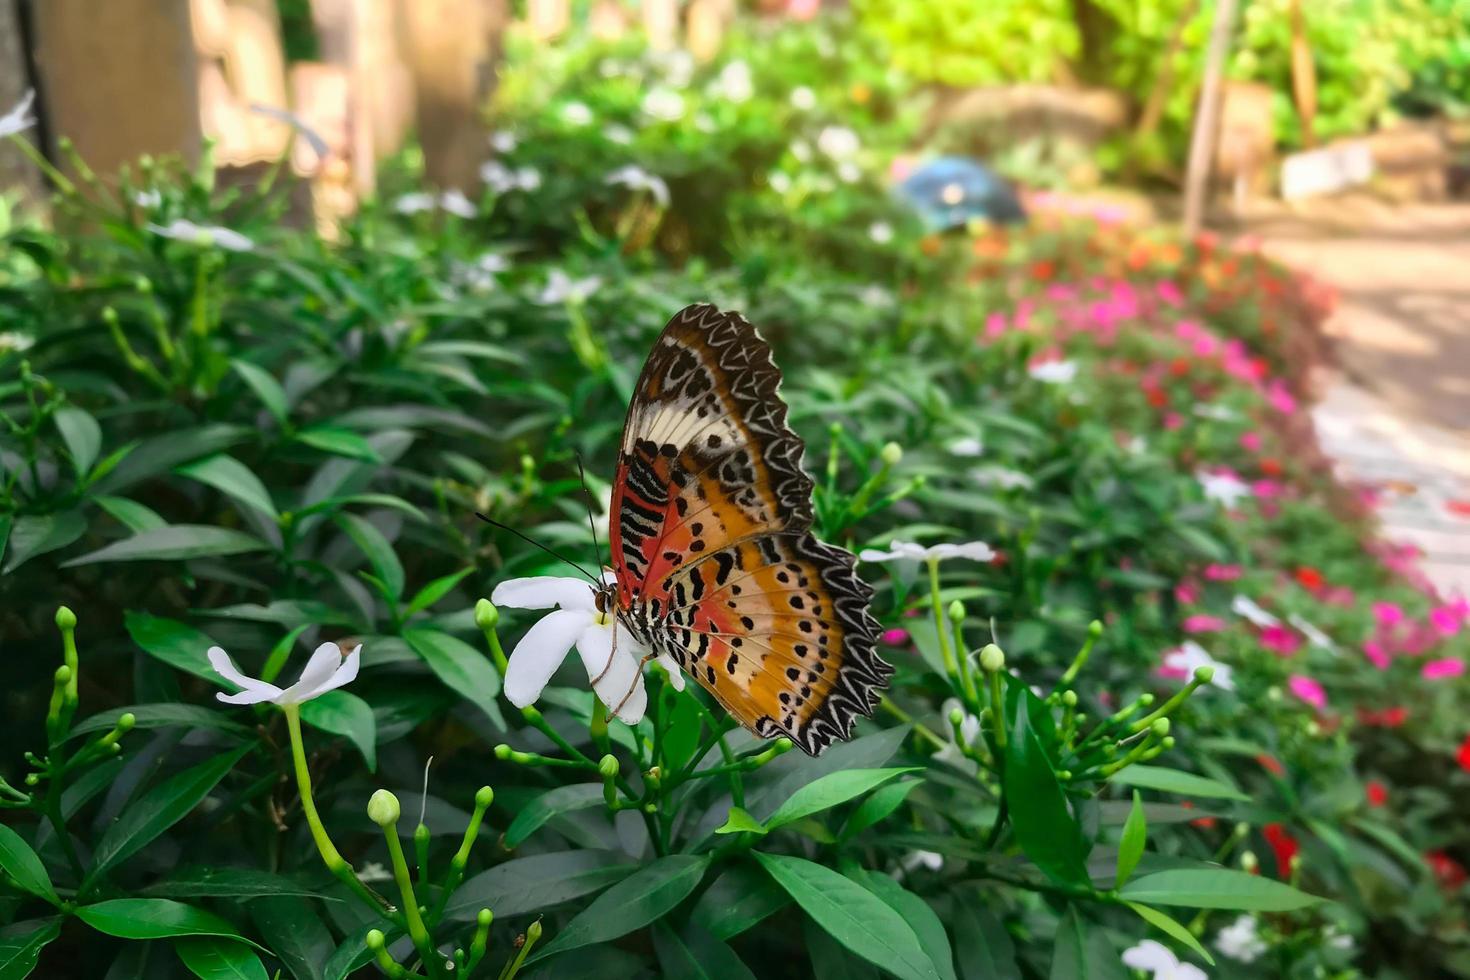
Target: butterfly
point(714, 563)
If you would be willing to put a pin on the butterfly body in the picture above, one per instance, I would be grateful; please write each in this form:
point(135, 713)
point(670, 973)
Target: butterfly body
point(714, 563)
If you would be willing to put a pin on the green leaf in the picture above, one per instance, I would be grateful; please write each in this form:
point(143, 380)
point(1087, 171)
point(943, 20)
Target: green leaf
point(1216, 888)
point(154, 918)
point(227, 883)
point(920, 917)
point(342, 713)
point(829, 791)
point(175, 644)
point(563, 799)
point(265, 386)
point(163, 452)
point(130, 514)
point(352, 953)
point(434, 591)
point(540, 881)
point(177, 542)
point(37, 534)
point(694, 954)
point(20, 951)
point(214, 958)
point(165, 715)
point(159, 809)
point(852, 915)
point(339, 442)
point(878, 806)
point(1081, 953)
point(82, 435)
point(1163, 923)
point(23, 866)
point(741, 897)
point(1174, 781)
point(643, 897)
point(462, 668)
point(294, 932)
point(1039, 816)
point(230, 476)
point(983, 948)
point(377, 549)
point(740, 822)
point(1130, 848)
point(830, 961)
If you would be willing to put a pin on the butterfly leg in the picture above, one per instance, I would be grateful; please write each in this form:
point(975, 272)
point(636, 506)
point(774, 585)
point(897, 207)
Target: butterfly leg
point(610, 655)
point(634, 685)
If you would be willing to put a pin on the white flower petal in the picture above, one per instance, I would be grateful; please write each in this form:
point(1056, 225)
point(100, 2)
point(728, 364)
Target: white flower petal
point(1151, 956)
point(613, 669)
point(245, 697)
point(1247, 608)
point(19, 118)
point(540, 652)
point(255, 690)
point(345, 674)
point(544, 592)
point(324, 662)
point(676, 676)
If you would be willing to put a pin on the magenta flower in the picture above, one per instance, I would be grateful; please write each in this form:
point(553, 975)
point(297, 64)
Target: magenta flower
point(896, 637)
point(1447, 620)
point(1200, 623)
point(1172, 421)
point(1376, 654)
point(1307, 690)
point(1446, 667)
point(1268, 489)
point(1186, 593)
point(1250, 441)
point(1170, 293)
point(1388, 613)
point(1280, 640)
point(1280, 398)
point(1223, 573)
point(995, 325)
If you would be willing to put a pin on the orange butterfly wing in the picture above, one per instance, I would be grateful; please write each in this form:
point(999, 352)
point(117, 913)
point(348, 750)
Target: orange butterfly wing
point(714, 563)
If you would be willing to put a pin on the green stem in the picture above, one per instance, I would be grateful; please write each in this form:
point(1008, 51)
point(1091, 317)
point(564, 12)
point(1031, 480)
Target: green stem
point(417, 931)
point(944, 648)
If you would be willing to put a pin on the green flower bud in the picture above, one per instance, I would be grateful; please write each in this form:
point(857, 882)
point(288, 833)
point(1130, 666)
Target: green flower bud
point(608, 766)
point(1204, 674)
point(1160, 727)
point(1069, 698)
point(66, 619)
point(1168, 742)
point(992, 658)
point(486, 615)
point(502, 751)
point(956, 611)
point(383, 808)
point(126, 722)
point(1249, 861)
point(375, 940)
point(533, 931)
point(1144, 700)
point(891, 453)
point(956, 716)
point(1094, 629)
point(484, 797)
point(483, 917)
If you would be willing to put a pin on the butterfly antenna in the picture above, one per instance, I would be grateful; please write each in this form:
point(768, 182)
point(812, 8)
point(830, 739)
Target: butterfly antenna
point(591, 522)
point(532, 541)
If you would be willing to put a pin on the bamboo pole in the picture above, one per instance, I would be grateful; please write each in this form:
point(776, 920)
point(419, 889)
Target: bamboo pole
point(1207, 118)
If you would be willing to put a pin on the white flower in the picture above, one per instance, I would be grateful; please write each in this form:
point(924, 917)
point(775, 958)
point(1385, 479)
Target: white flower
point(147, 200)
point(372, 872)
point(875, 296)
point(952, 193)
point(1191, 656)
point(636, 178)
point(932, 860)
point(1239, 940)
point(880, 232)
point(617, 133)
point(838, 142)
point(1157, 959)
point(19, 118)
point(802, 150)
point(976, 550)
point(187, 231)
point(1314, 636)
point(528, 178)
point(664, 104)
point(503, 141)
point(609, 652)
point(849, 172)
point(1226, 488)
point(1000, 476)
point(705, 123)
point(480, 274)
point(780, 181)
point(1219, 413)
point(326, 671)
point(562, 288)
point(735, 83)
point(1054, 372)
point(500, 178)
point(12, 341)
point(803, 98)
point(967, 446)
point(576, 113)
point(678, 67)
point(417, 201)
point(1245, 607)
point(457, 204)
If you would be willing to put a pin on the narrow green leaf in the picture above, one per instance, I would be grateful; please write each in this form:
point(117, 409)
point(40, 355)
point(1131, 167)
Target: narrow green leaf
point(339, 442)
point(1083, 953)
point(20, 951)
point(1174, 781)
point(878, 806)
point(434, 591)
point(265, 386)
point(1163, 923)
point(161, 453)
point(693, 954)
point(295, 933)
point(154, 918)
point(346, 714)
point(226, 883)
point(852, 915)
point(215, 958)
point(829, 791)
point(165, 715)
point(740, 822)
point(38, 534)
point(462, 668)
point(530, 884)
point(563, 799)
point(82, 435)
point(1042, 823)
point(177, 645)
point(23, 866)
point(177, 542)
point(741, 897)
point(983, 948)
point(230, 476)
point(920, 917)
point(1216, 888)
point(378, 550)
point(130, 514)
point(1135, 835)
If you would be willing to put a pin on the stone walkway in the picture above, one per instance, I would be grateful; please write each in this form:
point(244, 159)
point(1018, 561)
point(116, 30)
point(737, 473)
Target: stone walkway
point(1395, 412)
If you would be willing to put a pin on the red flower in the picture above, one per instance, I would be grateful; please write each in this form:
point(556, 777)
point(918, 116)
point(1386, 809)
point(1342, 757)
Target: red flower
point(1271, 765)
point(1309, 577)
point(1283, 845)
point(1179, 367)
point(1377, 793)
point(1272, 467)
point(1447, 871)
point(1043, 270)
point(1157, 397)
point(1204, 823)
point(1387, 718)
point(1463, 756)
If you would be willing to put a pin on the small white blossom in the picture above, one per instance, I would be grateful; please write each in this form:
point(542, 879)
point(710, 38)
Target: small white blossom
point(1240, 941)
point(187, 231)
point(417, 202)
point(19, 118)
point(705, 123)
point(839, 142)
point(561, 288)
point(1314, 636)
point(1054, 372)
point(932, 860)
point(12, 341)
point(952, 193)
point(576, 113)
point(1159, 961)
point(880, 232)
point(636, 178)
point(663, 104)
point(147, 200)
point(735, 83)
point(326, 671)
point(849, 172)
point(967, 446)
point(503, 141)
point(780, 181)
point(528, 178)
point(678, 67)
point(1246, 608)
point(875, 296)
point(1218, 413)
point(479, 275)
point(975, 550)
point(500, 178)
point(801, 150)
point(455, 202)
point(1002, 477)
point(373, 872)
point(1224, 488)
point(1191, 656)
point(803, 98)
point(617, 133)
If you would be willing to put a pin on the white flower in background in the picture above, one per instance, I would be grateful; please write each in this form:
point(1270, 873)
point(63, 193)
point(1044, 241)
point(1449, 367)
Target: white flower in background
point(932, 860)
point(617, 133)
point(1159, 961)
point(636, 178)
point(735, 83)
point(528, 178)
point(611, 68)
point(500, 178)
point(802, 150)
point(503, 141)
point(780, 181)
point(576, 114)
point(1054, 372)
point(849, 172)
point(1224, 488)
point(147, 200)
point(479, 275)
point(1246, 608)
point(419, 201)
point(12, 341)
point(974, 550)
point(1218, 413)
point(561, 288)
point(1191, 656)
point(663, 104)
point(326, 671)
point(803, 98)
point(1314, 636)
point(678, 67)
point(952, 194)
point(1339, 940)
point(838, 142)
point(373, 872)
point(19, 118)
point(880, 232)
point(1240, 941)
point(967, 446)
point(1001, 477)
point(457, 204)
point(1137, 445)
point(705, 123)
point(187, 231)
point(609, 652)
point(875, 296)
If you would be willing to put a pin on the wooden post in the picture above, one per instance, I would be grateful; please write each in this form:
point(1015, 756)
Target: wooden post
point(1207, 118)
point(1303, 75)
point(661, 23)
point(451, 53)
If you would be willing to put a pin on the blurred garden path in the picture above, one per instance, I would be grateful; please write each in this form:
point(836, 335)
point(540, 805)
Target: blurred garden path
point(1395, 412)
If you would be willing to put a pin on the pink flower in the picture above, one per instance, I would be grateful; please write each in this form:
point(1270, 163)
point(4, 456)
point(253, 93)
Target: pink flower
point(1307, 690)
point(1250, 441)
point(1339, 595)
point(1223, 573)
point(1376, 654)
point(1169, 292)
point(1280, 640)
point(1436, 670)
point(1447, 619)
point(1201, 623)
point(896, 637)
point(1268, 489)
point(1188, 330)
point(1186, 593)
point(1388, 613)
point(1205, 346)
point(1172, 421)
point(995, 325)
point(1280, 398)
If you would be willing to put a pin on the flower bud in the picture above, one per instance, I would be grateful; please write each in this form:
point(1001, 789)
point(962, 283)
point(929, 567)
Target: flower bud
point(1204, 674)
point(484, 797)
point(486, 615)
point(66, 619)
point(375, 940)
point(1249, 862)
point(1094, 629)
point(533, 931)
point(608, 766)
point(383, 808)
point(891, 453)
point(956, 716)
point(992, 658)
point(483, 917)
point(502, 751)
point(1160, 727)
point(1069, 698)
point(956, 611)
point(1144, 700)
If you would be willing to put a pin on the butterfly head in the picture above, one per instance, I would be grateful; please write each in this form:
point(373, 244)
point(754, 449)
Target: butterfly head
point(605, 598)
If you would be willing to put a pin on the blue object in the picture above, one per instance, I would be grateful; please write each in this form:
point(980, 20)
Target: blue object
point(950, 192)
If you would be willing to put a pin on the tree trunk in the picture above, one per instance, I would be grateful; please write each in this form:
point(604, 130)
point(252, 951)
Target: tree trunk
point(1303, 75)
point(1207, 118)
